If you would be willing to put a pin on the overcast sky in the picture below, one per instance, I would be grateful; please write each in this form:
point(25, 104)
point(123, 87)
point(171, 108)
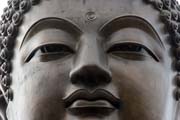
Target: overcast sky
point(3, 3)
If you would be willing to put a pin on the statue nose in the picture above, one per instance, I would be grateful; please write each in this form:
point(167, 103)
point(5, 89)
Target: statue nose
point(90, 66)
point(90, 76)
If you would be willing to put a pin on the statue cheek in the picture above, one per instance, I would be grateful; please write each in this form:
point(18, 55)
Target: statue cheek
point(40, 94)
point(45, 109)
point(146, 87)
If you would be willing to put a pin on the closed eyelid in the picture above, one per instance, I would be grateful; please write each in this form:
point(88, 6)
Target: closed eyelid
point(26, 51)
point(137, 36)
point(58, 47)
point(148, 49)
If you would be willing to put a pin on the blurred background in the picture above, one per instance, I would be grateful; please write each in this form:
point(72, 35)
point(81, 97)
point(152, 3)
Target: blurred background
point(3, 4)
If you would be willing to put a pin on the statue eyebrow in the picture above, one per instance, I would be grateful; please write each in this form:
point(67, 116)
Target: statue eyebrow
point(47, 23)
point(129, 21)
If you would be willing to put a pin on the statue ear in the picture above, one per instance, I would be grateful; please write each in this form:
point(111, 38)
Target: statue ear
point(3, 106)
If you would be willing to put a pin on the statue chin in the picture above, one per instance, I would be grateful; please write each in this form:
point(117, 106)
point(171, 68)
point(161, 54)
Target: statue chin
point(90, 60)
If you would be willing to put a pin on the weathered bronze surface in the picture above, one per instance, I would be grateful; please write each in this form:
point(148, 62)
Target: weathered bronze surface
point(90, 60)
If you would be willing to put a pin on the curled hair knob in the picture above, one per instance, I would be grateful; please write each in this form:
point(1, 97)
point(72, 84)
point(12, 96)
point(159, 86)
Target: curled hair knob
point(9, 13)
point(173, 4)
point(9, 2)
point(176, 38)
point(177, 94)
point(11, 30)
point(158, 5)
point(173, 26)
point(178, 7)
point(174, 15)
point(15, 4)
point(3, 18)
point(7, 42)
point(17, 18)
point(5, 9)
point(165, 15)
point(4, 54)
point(177, 80)
point(6, 80)
point(9, 94)
point(167, 4)
point(24, 6)
point(177, 65)
point(3, 29)
point(6, 67)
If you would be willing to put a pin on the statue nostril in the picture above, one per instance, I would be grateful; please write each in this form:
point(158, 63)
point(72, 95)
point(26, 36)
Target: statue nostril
point(90, 76)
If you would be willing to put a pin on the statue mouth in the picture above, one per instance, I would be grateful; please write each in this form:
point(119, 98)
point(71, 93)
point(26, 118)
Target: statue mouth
point(98, 103)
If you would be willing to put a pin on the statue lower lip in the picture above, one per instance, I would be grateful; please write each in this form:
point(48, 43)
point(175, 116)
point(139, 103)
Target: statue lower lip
point(97, 108)
point(95, 104)
point(100, 98)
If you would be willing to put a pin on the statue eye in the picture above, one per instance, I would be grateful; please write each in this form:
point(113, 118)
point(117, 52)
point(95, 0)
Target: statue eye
point(50, 52)
point(131, 51)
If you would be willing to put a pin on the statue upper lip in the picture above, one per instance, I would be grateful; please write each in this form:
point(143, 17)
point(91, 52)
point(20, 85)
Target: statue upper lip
point(99, 94)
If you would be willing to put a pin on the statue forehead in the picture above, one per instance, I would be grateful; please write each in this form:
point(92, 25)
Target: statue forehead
point(77, 8)
point(76, 11)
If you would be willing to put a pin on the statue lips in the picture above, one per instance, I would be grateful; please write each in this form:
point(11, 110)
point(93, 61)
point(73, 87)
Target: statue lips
point(84, 103)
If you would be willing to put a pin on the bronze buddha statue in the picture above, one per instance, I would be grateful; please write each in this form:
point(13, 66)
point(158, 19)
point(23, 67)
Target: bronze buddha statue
point(90, 60)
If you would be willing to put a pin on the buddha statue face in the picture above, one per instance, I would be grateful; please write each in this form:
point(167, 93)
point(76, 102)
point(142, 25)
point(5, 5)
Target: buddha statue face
point(92, 60)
